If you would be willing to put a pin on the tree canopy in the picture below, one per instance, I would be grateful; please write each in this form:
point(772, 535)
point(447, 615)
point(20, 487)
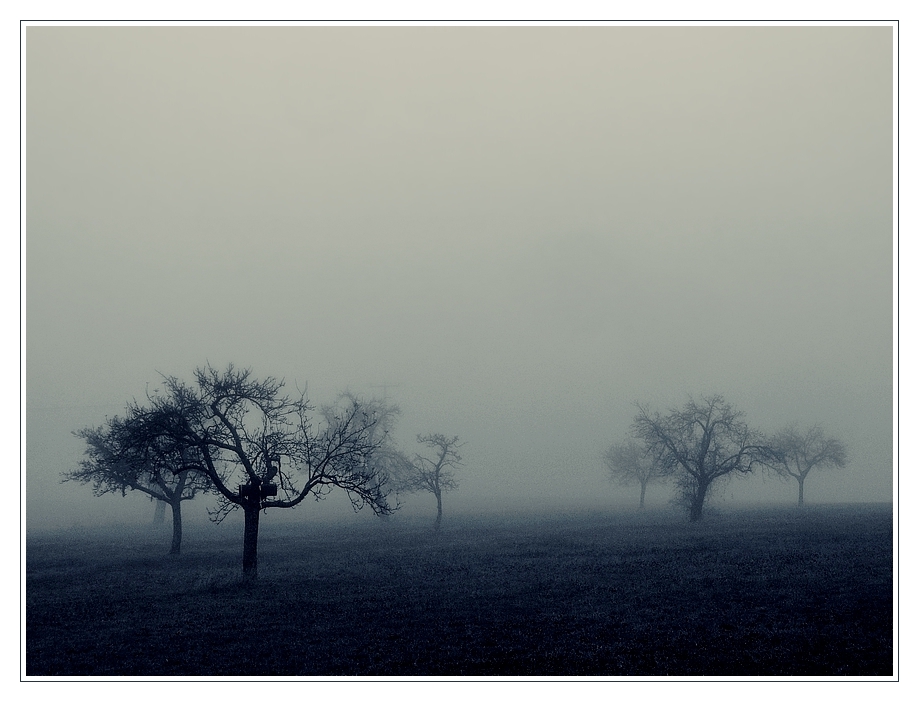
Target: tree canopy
point(703, 442)
point(261, 448)
point(114, 463)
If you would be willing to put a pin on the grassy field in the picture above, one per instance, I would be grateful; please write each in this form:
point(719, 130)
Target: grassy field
point(750, 592)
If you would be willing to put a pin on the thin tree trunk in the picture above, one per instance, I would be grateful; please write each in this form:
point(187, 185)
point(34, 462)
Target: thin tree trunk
point(641, 502)
point(159, 514)
point(698, 500)
point(800, 492)
point(250, 543)
point(440, 512)
point(176, 526)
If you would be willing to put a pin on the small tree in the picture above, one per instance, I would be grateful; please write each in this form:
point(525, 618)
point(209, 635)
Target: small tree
point(260, 448)
point(434, 473)
point(112, 466)
point(797, 454)
point(630, 463)
point(704, 442)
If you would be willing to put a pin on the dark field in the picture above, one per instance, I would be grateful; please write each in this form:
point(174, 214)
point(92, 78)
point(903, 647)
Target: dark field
point(743, 593)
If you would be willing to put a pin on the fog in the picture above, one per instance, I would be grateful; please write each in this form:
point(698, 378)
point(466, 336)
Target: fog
point(512, 233)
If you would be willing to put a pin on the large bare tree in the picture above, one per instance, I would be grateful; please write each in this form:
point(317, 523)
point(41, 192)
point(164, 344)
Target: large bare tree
point(629, 463)
point(704, 442)
point(433, 472)
point(113, 465)
point(797, 453)
point(261, 448)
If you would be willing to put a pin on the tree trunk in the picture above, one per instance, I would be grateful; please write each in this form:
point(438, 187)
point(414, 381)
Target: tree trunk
point(250, 543)
point(698, 500)
point(641, 502)
point(800, 492)
point(176, 527)
point(440, 512)
point(159, 515)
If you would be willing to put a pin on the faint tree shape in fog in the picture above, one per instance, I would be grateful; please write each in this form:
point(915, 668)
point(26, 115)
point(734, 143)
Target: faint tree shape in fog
point(433, 474)
point(260, 448)
point(629, 463)
point(114, 464)
point(387, 461)
point(703, 442)
point(797, 454)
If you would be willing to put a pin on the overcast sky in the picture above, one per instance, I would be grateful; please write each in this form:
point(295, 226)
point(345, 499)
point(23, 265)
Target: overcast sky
point(519, 231)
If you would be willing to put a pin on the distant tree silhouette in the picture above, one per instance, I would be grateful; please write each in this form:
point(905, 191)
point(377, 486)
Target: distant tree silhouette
point(387, 460)
point(703, 442)
point(113, 465)
point(434, 472)
point(797, 454)
point(159, 514)
point(629, 463)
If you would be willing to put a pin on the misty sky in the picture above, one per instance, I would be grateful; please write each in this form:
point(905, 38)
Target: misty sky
point(520, 231)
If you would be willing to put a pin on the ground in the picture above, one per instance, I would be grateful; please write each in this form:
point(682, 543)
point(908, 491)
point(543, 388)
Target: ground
point(745, 592)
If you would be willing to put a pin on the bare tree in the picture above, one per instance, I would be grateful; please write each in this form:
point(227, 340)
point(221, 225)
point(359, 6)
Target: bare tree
point(112, 466)
point(259, 447)
point(629, 463)
point(703, 442)
point(387, 459)
point(797, 454)
point(434, 473)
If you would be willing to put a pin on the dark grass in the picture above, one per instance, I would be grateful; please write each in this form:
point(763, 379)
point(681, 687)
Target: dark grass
point(744, 593)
